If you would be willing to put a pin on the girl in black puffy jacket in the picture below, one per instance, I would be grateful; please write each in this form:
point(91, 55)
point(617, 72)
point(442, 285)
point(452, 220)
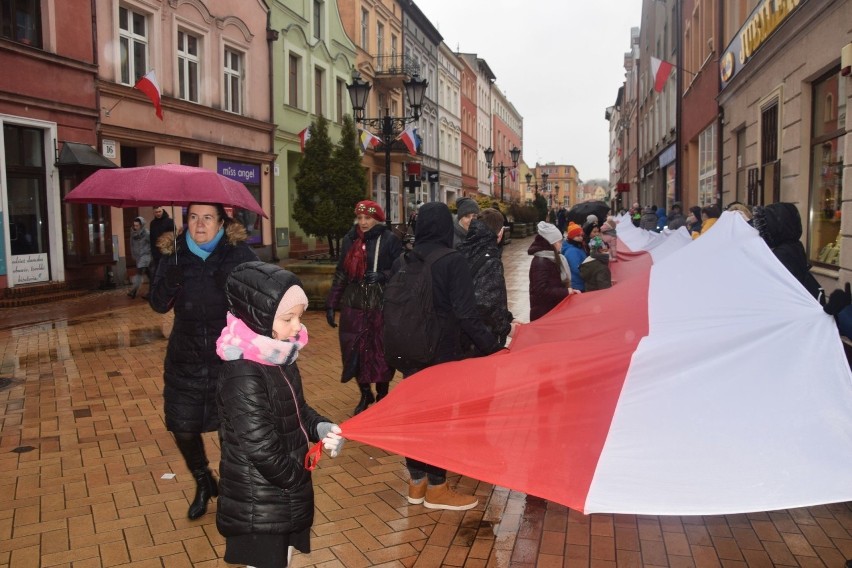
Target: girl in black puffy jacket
point(266, 499)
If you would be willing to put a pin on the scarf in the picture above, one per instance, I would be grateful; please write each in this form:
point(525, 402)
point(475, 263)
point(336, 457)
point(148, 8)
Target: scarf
point(237, 341)
point(355, 263)
point(564, 271)
point(203, 251)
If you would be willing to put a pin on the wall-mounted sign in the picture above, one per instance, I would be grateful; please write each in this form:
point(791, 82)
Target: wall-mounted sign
point(108, 149)
point(246, 173)
point(758, 27)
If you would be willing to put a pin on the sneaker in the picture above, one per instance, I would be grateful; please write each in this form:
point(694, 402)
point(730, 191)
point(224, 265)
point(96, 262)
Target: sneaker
point(417, 491)
point(442, 497)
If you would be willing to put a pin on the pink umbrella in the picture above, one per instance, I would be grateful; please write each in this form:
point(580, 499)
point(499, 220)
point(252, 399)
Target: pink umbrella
point(165, 184)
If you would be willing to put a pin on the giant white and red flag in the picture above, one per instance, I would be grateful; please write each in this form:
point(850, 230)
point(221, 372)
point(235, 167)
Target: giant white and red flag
point(705, 381)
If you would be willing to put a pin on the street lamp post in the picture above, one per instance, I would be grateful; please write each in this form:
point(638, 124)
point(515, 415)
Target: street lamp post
point(390, 126)
point(514, 153)
point(544, 176)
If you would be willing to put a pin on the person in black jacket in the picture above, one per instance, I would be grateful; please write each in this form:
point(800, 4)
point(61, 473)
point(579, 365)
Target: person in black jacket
point(780, 226)
point(455, 306)
point(160, 225)
point(366, 258)
point(191, 280)
point(482, 250)
point(266, 498)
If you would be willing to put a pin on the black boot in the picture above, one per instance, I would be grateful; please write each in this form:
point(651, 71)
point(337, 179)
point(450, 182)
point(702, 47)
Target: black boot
point(191, 447)
point(367, 399)
point(206, 488)
point(381, 391)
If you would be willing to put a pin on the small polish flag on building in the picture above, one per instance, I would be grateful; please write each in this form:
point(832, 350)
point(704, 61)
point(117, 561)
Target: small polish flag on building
point(149, 85)
point(661, 70)
point(410, 139)
point(304, 136)
point(513, 174)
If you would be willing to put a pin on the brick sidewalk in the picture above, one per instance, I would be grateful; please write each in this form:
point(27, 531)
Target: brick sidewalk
point(83, 449)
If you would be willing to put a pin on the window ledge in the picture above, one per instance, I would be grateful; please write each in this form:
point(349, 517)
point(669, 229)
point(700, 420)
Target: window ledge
point(827, 272)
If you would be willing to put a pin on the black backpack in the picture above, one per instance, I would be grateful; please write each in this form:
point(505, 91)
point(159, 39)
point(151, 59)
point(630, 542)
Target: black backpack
point(411, 327)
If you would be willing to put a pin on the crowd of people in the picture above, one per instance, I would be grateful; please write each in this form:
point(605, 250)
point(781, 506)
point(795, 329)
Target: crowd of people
point(231, 361)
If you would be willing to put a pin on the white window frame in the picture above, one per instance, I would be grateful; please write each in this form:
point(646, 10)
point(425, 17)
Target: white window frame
point(228, 75)
point(185, 61)
point(707, 165)
point(131, 38)
point(365, 29)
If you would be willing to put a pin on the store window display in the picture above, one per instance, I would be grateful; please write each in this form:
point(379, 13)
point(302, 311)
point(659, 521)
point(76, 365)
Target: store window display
point(827, 148)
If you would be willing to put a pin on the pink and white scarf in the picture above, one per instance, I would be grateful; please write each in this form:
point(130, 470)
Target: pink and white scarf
point(238, 341)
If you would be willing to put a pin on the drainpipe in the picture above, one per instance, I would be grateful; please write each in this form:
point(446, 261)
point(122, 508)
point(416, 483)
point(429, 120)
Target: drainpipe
point(272, 36)
point(720, 113)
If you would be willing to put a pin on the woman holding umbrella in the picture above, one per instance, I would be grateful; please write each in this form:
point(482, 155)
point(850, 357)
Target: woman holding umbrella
point(367, 255)
point(191, 280)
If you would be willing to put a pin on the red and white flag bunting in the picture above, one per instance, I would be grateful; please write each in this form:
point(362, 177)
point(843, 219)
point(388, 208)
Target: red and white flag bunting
point(705, 381)
point(304, 136)
point(660, 71)
point(149, 85)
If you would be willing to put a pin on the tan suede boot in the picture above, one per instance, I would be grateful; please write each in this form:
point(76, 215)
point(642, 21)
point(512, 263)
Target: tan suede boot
point(417, 491)
point(442, 497)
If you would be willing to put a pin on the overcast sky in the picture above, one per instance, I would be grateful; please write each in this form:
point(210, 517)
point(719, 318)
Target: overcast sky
point(560, 62)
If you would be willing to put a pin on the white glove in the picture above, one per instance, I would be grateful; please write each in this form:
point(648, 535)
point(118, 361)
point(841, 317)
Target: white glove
point(332, 440)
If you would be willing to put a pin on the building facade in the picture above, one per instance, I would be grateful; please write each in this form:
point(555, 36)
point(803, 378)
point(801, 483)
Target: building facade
point(449, 125)
point(785, 135)
point(314, 59)
point(507, 127)
point(657, 110)
point(43, 239)
point(421, 41)
point(211, 59)
point(469, 114)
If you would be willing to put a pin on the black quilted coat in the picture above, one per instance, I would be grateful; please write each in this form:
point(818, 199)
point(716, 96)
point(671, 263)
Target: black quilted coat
point(191, 367)
point(266, 425)
point(483, 255)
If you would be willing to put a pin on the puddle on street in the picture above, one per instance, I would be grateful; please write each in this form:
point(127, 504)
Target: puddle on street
point(133, 338)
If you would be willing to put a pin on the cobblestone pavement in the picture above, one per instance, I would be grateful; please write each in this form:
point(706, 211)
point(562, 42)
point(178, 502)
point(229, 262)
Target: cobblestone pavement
point(83, 453)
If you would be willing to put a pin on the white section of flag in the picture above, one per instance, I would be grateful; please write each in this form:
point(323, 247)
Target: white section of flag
point(739, 399)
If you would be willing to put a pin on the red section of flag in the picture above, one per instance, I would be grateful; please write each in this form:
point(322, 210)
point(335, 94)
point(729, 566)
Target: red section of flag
point(518, 416)
point(661, 70)
point(149, 85)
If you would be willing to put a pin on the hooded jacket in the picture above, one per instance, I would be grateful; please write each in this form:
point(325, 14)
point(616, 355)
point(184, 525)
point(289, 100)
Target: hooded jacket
point(266, 425)
point(191, 367)
point(546, 286)
point(452, 286)
point(140, 245)
point(780, 226)
point(489, 283)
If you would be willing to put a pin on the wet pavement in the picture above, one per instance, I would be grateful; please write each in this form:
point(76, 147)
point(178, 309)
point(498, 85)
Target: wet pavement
point(85, 458)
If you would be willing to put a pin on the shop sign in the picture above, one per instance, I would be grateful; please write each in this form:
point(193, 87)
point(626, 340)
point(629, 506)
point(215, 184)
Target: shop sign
point(667, 156)
point(759, 26)
point(246, 173)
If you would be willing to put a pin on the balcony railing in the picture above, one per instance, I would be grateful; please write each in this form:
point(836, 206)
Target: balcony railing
point(396, 65)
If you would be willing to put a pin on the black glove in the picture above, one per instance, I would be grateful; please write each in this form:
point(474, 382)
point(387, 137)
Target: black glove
point(838, 300)
point(174, 276)
point(329, 317)
point(375, 277)
point(220, 277)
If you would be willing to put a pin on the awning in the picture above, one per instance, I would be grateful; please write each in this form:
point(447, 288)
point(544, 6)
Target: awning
point(77, 154)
